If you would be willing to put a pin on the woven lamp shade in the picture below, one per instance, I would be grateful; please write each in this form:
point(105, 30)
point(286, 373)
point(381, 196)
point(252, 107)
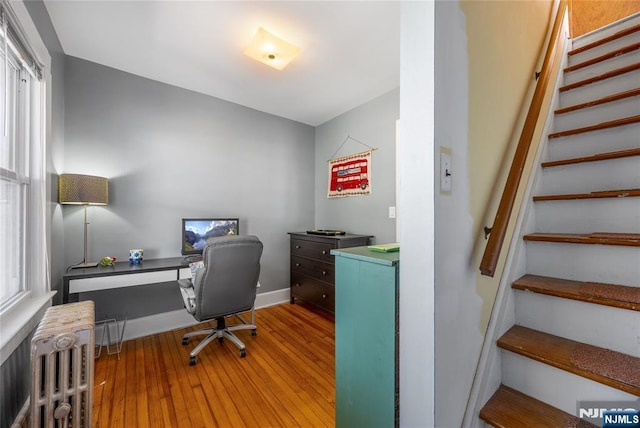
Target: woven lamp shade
point(78, 189)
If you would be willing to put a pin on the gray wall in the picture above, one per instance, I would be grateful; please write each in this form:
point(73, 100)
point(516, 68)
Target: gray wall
point(14, 382)
point(373, 124)
point(170, 153)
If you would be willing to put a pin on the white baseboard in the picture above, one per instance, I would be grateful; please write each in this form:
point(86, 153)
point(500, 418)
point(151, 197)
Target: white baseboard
point(271, 298)
point(166, 321)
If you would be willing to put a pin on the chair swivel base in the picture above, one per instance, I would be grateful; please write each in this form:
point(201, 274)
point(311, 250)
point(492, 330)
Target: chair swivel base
point(219, 332)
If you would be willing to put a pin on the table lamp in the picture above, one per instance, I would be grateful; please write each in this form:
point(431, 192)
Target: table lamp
point(85, 190)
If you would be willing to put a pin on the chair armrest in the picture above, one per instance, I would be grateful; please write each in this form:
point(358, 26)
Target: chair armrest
point(188, 295)
point(185, 283)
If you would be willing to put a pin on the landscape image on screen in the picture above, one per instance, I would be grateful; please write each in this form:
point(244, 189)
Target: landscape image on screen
point(197, 232)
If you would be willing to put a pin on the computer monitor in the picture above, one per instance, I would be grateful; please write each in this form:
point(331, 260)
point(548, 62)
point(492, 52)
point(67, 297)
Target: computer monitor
point(196, 231)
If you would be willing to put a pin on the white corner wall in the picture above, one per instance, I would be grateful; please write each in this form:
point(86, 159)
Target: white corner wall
point(416, 202)
point(458, 338)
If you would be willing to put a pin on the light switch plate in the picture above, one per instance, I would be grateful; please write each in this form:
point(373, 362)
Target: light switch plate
point(445, 171)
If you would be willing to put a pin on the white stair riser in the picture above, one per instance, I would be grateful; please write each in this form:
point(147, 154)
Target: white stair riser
point(597, 114)
point(557, 387)
point(597, 263)
point(604, 49)
point(581, 321)
point(602, 88)
point(587, 216)
point(601, 67)
point(594, 142)
point(612, 174)
point(606, 31)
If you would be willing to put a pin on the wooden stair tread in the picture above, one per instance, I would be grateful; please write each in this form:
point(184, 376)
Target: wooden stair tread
point(624, 193)
point(594, 158)
point(608, 99)
point(622, 239)
point(508, 408)
point(614, 295)
point(615, 369)
point(619, 34)
point(603, 76)
point(614, 53)
point(604, 125)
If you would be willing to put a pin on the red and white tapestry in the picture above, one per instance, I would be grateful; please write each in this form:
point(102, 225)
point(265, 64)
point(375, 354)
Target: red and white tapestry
point(350, 175)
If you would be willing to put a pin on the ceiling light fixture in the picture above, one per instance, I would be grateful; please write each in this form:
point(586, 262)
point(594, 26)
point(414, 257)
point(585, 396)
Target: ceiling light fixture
point(271, 50)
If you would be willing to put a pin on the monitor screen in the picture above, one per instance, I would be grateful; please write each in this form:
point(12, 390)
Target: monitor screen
point(196, 231)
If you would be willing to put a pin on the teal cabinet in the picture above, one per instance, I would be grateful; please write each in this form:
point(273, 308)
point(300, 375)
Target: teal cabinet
point(366, 322)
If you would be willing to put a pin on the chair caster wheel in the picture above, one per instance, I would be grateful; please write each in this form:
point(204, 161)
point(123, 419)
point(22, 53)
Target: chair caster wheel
point(254, 332)
point(192, 361)
point(185, 340)
point(243, 353)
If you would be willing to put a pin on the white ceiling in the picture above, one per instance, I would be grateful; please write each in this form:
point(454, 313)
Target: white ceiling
point(350, 49)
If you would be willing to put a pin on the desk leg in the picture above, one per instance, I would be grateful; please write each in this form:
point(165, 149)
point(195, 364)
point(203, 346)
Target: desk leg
point(73, 298)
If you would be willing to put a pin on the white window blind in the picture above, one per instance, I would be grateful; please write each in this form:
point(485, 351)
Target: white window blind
point(18, 42)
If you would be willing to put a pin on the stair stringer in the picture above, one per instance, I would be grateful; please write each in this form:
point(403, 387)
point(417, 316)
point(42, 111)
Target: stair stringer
point(488, 375)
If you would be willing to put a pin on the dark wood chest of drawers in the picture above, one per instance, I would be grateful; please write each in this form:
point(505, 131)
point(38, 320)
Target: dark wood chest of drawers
point(313, 269)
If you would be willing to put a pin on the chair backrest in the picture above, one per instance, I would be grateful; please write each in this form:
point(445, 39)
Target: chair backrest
point(227, 283)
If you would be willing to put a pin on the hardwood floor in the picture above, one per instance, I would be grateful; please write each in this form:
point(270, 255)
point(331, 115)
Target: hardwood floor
point(285, 380)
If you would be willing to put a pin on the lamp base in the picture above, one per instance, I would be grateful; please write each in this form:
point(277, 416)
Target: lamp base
point(85, 265)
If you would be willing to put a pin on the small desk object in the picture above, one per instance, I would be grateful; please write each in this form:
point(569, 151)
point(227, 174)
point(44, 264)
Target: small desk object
point(123, 274)
point(367, 337)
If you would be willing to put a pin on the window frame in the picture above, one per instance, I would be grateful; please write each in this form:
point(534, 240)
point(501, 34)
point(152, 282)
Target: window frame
point(19, 319)
point(16, 172)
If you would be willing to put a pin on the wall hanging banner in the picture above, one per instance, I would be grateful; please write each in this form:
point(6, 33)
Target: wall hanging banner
point(350, 175)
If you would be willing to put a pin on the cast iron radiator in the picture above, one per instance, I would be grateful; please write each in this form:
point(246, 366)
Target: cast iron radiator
point(62, 364)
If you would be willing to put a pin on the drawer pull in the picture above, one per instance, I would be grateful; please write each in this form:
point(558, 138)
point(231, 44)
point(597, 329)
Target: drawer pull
point(324, 296)
point(298, 246)
point(297, 264)
point(324, 252)
point(297, 284)
point(324, 272)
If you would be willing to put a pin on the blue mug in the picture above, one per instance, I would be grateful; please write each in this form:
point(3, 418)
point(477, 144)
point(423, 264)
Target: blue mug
point(135, 256)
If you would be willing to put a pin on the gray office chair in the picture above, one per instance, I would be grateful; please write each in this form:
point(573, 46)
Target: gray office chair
point(225, 286)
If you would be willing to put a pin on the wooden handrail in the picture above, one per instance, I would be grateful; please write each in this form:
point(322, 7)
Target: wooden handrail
point(501, 222)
